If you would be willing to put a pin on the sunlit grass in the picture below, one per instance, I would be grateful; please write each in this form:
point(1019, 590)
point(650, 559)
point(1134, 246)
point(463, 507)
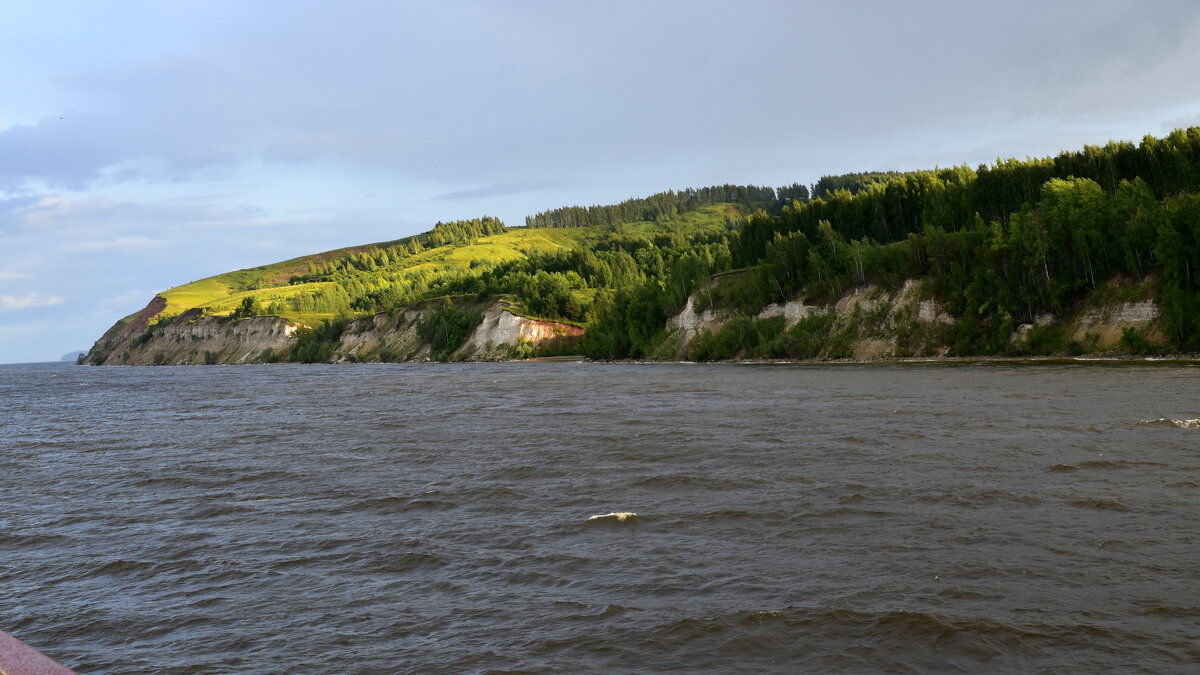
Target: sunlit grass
point(223, 293)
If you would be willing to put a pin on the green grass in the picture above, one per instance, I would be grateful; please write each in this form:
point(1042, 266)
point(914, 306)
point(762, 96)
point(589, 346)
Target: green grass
point(266, 296)
point(222, 293)
point(200, 293)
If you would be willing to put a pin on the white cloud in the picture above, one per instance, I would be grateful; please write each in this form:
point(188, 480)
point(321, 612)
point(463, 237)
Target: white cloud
point(4, 274)
point(28, 301)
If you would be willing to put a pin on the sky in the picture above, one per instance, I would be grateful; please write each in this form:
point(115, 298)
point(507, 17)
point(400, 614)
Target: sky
point(144, 145)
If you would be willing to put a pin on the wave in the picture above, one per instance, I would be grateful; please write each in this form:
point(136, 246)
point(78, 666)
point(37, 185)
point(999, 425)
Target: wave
point(669, 481)
point(847, 639)
point(1101, 504)
point(616, 516)
point(1168, 422)
point(373, 563)
point(1115, 464)
point(393, 504)
point(1172, 612)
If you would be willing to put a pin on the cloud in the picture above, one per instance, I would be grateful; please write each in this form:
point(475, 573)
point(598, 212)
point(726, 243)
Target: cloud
point(98, 222)
point(6, 275)
point(28, 301)
point(534, 91)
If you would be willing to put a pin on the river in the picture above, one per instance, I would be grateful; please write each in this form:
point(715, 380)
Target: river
point(439, 517)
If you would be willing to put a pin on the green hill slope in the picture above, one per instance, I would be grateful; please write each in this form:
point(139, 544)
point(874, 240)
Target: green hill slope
point(381, 276)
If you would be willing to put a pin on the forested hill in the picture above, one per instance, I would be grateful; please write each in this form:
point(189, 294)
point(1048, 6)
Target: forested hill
point(667, 205)
point(1008, 253)
point(999, 246)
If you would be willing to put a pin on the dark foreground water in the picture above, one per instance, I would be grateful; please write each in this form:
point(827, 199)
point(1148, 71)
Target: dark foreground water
point(435, 518)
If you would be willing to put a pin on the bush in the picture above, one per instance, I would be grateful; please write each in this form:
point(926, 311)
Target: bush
point(445, 327)
point(1133, 342)
point(741, 336)
point(806, 339)
point(522, 350)
point(316, 345)
point(1046, 340)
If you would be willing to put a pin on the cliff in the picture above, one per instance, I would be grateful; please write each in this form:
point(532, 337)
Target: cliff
point(501, 331)
point(195, 338)
point(500, 334)
point(872, 322)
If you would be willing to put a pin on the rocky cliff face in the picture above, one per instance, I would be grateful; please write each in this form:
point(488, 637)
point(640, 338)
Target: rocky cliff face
point(871, 322)
point(866, 320)
point(193, 338)
point(1103, 325)
point(386, 336)
point(500, 330)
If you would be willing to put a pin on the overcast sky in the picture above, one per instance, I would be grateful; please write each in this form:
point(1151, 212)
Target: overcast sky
point(147, 144)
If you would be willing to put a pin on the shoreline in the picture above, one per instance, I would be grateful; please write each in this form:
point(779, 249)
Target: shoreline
point(1176, 360)
point(1170, 360)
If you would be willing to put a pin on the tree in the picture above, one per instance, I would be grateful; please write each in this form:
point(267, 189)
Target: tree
point(249, 307)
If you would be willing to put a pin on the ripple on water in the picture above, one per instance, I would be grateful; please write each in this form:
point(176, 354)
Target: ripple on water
point(433, 518)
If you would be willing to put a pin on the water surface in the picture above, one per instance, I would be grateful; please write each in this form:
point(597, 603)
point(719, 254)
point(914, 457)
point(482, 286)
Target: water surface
point(416, 518)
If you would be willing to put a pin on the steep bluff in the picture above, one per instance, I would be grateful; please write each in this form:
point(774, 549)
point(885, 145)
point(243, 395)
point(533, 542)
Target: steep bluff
point(501, 329)
point(873, 322)
point(393, 336)
point(866, 322)
point(194, 338)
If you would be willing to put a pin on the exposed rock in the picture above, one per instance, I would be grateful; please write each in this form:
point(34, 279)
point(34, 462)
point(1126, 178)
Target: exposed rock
point(192, 338)
point(1102, 326)
point(864, 298)
point(888, 315)
point(1135, 312)
point(791, 311)
point(689, 323)
point(931, 310)
point(386, 336)
point(501, 329)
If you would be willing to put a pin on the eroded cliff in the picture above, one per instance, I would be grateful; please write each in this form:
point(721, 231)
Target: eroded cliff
point(871, 322)
point(194, 338)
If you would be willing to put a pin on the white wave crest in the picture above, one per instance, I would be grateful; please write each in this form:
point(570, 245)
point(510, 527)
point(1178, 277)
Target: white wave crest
point(1165, 421)
point(619, 516)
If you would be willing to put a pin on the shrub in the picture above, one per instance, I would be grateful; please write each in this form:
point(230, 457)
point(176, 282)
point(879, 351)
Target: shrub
point(445, 327)
point(1133, 342)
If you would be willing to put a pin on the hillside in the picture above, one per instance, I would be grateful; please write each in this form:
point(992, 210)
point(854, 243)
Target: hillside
point(1088, 252)
point(549, 274)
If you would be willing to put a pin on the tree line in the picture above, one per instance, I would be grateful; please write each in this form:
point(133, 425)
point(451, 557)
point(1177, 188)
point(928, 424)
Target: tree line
point(667, 205)
point(1001, 244)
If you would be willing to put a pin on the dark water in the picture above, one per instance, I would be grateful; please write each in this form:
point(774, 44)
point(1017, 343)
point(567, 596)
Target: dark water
point(435, 518)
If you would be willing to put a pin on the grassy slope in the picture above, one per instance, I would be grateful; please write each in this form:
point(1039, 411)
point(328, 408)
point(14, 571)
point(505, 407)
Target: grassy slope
point(222, 293)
